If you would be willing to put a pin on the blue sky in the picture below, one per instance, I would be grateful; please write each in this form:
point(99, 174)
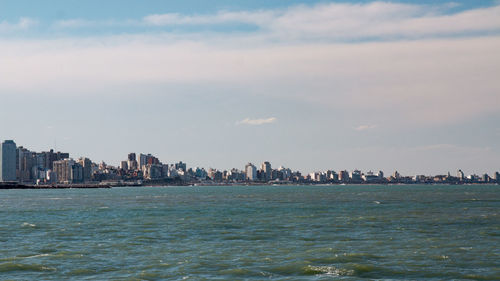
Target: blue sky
point(407, 85)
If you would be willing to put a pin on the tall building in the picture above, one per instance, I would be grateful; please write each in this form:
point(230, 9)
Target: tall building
point(147, 159)
point(87, 168)
point(356, 176)
point(131, 157)
point(8, 161)
point(250, 172)
point(266, 168)
point(343, 176)
point(460, 175)
point(68, 171)
point(496, 177)
point(180, 166)
point(132, 162)
point(25, 164)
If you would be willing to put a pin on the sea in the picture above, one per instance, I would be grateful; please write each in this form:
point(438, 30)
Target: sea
point(358, 232)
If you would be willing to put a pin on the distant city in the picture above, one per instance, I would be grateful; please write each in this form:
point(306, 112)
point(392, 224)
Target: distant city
point(19, 165)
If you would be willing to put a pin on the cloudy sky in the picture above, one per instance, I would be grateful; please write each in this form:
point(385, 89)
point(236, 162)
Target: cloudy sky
point(310, 85)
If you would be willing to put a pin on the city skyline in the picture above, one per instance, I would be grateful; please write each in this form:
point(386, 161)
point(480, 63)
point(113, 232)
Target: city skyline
point(401, 85)
point(20, 165)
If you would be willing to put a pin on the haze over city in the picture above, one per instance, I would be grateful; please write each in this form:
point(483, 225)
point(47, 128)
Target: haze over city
point(312, 85)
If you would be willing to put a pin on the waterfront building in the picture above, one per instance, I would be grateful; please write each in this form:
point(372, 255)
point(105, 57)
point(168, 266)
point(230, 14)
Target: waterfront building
point(215, 175)
point(267, 171)
point(250, 172)
point(25, 162)
point(131, 157)
point(180, 166)
point(87, 168)
point(147, 159)
point(485, 178)
point(370, 177)
point(496, 177)
point(153, 171)
point(285, 173)
point(356, 176)
point(124, 165)
point(8, 161)
point(68, 171)
point(460, 175)
point(343, 176)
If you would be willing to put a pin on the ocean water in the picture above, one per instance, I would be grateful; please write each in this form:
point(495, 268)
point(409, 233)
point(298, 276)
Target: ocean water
point(252, 233)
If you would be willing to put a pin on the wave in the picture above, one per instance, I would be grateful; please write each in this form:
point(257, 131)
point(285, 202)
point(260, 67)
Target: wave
point(11, 267)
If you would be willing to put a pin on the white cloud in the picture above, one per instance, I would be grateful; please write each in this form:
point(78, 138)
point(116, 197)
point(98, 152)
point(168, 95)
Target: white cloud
point(74, 23)
point(420, 82)
point(426, 81)
point(248, 121)
point(365, 127)
point(22, 24)
point(339, 21)
point(329, 22)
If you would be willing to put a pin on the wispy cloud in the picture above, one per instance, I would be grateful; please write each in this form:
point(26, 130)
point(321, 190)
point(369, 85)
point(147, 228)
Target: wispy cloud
point(22, 24)
point(340, 21)
point(365, 127)
point(372, 21)
point(248, 121)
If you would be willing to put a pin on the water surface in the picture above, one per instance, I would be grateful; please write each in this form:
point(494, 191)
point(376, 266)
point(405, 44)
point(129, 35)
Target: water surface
point(251, 233)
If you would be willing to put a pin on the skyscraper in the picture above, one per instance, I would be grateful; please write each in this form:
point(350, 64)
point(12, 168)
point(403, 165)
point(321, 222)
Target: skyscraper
point(266, 168)
point(251, 172)
point(8, 161)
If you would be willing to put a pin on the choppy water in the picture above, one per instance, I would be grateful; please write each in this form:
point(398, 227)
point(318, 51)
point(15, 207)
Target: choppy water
point(252, 233)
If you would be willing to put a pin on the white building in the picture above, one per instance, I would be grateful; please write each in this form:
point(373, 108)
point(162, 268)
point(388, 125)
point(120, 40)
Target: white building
point(251, 172)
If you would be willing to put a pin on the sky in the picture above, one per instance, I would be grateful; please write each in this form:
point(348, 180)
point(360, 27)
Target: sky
point(412, 86)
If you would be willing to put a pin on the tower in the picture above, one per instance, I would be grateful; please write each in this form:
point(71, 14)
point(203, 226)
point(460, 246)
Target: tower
point(8, 161)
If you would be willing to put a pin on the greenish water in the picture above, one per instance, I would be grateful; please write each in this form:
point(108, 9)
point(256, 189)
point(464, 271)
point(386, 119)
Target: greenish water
point(252, 233)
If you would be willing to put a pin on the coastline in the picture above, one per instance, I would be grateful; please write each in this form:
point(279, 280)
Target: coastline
point(146, 184)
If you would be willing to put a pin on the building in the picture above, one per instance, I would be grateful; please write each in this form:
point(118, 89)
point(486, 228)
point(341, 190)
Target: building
point(8, 161)
point(25, 162)
point(68, 171)
point(147, 159)
point(356, 176)
point(87, 169)
point(267, 171)
point(180, 166)
point(343, 176)
point(124, 165)
point(250, 172)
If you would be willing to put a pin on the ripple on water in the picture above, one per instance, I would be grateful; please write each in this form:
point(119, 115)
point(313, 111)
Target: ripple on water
point(12, 267)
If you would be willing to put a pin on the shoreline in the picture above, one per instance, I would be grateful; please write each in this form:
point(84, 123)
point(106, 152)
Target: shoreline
point(111, 185)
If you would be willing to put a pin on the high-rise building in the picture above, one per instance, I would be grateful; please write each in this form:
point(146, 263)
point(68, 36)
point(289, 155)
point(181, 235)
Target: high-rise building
point(496, 177)
point(68, 171)
point(132, 162)
point(147, 159)
point(356, 176)
point(131, 157)
point(266, 168)
point(8, 161)
point(124, 165)
point(25, 163)
point(87, 168)
point(180, 166)
point(460, 175)
point(343, 176)
point(251, 172)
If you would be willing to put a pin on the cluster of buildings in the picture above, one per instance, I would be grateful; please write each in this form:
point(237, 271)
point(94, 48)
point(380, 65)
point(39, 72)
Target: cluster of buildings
point(20, 165)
